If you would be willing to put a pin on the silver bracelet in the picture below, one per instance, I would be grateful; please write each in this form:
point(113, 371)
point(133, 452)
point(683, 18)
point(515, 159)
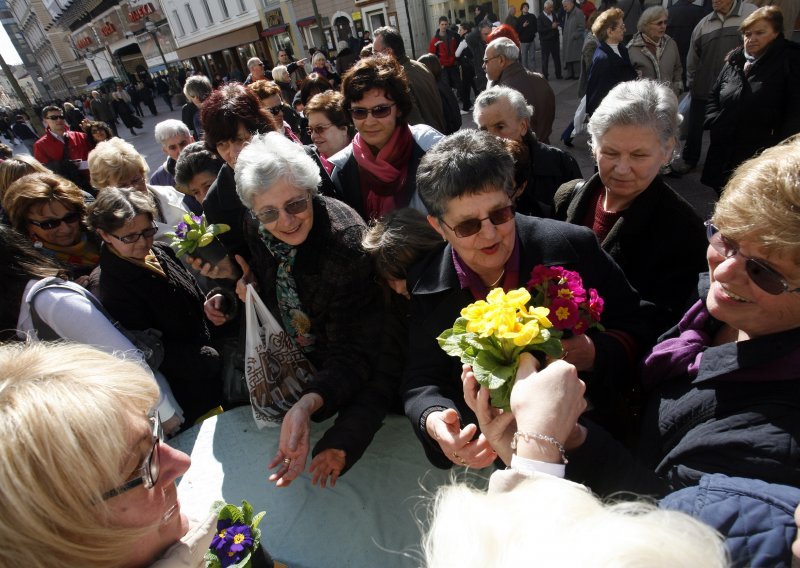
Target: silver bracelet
point(544, 438)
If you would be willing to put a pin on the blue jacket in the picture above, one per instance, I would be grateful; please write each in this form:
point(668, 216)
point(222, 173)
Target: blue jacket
point(606, 71)
point(756, 518)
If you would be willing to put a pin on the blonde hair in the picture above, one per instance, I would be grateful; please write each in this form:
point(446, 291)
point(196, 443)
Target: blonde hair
point(17, 166)
point(547, 521)
point(115, 160)
point(65, 411)
point(761, 202)
point(607, 20)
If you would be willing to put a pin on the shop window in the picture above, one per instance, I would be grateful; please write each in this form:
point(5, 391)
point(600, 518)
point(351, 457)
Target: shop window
point(189, 13)
point(177, 20)
point(207, 10)
point(224, 7)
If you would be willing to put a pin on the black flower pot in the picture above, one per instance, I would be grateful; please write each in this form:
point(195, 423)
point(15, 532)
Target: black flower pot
point(213, 252)
point(261, 559)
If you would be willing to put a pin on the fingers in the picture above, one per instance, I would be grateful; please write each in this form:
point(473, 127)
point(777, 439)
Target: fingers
point(528, 365)
point(246, 275)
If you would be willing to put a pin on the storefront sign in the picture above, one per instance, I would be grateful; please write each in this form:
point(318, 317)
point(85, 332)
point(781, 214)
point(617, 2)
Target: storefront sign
point(108, 29)
point(141, 12)
point(84, 42)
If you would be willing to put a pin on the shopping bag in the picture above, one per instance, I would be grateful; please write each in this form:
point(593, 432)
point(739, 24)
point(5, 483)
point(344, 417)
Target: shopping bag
point(683, 110)
point(276, 370)
point(580, 117)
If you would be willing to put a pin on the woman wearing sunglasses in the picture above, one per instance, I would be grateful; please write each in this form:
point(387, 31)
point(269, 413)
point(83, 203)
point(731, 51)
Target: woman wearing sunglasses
point(87, 480)
point(724, 384)
point(376, 173)
point(51, 211)
point(269, 94)
point(312, 273)
point(328, 125)
point(653, 233)
point(144, 286)
point(466, 183)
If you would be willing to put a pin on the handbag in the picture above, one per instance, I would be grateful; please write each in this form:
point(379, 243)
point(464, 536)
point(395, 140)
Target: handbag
point(276, 370)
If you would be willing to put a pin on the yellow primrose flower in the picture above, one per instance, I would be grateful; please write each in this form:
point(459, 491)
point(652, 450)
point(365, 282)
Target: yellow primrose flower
point(475, 311)
point(540, 314)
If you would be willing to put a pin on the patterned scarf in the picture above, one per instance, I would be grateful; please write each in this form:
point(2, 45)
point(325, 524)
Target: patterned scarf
point(85, 254)
point(295, 321)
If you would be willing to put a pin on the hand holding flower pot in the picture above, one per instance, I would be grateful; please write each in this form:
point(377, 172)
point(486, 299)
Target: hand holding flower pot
point(194, 237)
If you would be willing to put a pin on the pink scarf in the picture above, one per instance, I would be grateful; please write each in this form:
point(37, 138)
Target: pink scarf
point(383, 177)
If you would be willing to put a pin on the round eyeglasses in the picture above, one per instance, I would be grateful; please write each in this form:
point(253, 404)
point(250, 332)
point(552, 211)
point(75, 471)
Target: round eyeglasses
point(266, 216)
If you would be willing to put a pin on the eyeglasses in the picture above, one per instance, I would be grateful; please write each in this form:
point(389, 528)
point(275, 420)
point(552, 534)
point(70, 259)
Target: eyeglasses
point(133, 181)
point(50, 224)
point(277, 109)
point(134, 237)
point(319, 129)
point(147, 473)
point(271, 215)
point(762, 275)
point(473, 226)
point(380, 111)
point(488, 59)
point(55, 117)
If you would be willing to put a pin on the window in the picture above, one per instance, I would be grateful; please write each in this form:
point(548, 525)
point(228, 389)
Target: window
point(209, 17)
point(189, 13)
point(177, 20)
point(242, 7)
point(224, 7)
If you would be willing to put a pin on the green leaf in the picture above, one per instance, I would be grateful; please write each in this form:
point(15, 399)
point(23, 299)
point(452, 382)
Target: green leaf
point(218, 228)
point(460, 325)
point(205, 240)
point(212, 560)
point(193, 235)
point(501, 397)
point(257, 520)
point(244, 562)
point(247, 511)
point(493, 372)
point(188, 219)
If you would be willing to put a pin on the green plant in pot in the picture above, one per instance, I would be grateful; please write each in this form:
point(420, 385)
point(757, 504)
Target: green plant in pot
point(195, 237)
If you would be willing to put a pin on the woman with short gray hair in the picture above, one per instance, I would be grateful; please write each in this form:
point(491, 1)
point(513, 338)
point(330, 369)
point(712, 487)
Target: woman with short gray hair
point(196, 89)
point(651, 231)
point(653, 54)
point(312, 273)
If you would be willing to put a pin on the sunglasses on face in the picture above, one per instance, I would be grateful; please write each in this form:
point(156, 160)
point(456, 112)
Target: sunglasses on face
point(50, 224)
point(762, 275)
point(319, 129)
point(147, 473)
point(56, 117)
point(266, 216)
point(473, 226)
point(380, 111)
point(132, 238)
point(276, 110)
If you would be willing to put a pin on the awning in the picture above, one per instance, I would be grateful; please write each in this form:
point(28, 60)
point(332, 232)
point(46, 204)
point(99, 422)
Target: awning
point(217, 43)
point(275, 30)
point(307, 21)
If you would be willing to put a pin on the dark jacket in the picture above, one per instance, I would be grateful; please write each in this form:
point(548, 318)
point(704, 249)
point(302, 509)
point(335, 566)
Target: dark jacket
point(756, 518)
point(432, 378)
point(547, 33)
point(140, 299)
point(345, 59)
point(526, 33)
point(550, 167)
point(682, 19)
point(658, 241)
point(748, 113)
point(187, 117)
point(337, 289)
point(607, 70)
point(740, 415)
point(537, 92)
point(450, 108)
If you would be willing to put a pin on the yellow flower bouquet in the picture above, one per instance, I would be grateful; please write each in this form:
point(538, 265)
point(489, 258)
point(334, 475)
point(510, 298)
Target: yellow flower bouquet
point(491, 335)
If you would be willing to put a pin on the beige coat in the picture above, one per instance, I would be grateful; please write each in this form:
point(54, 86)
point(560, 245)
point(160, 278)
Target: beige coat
point(664, 66)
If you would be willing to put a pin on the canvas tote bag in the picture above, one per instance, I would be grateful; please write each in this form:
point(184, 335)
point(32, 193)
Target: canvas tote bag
point(276, 370)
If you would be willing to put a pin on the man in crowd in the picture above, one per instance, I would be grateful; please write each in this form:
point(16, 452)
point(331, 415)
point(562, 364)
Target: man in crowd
point(62, 150)
point(526, 30)
point(684, 15)
point(476, 41)
point(712, 39)
point(427, 104)
point(173, 136)
point(503, 68)
point(443, 45)
point(548, 38)
point(257, 71)
point(101, 109)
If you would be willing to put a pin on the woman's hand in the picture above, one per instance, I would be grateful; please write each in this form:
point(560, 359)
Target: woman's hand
point(293, 445)
point(213, 309)
point(223, 269)
point(456, 442)
point(496, 426)
point(579, 350)
point(247, 278)
point(327, 464)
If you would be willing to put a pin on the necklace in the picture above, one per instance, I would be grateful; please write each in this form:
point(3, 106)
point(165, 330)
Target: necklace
point(493, 284)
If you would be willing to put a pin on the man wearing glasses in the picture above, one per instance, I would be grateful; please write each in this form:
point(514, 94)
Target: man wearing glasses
point(63, 150)
point(257, 71)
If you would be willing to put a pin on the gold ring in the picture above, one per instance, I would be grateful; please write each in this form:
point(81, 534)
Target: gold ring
point(287, 461)
point(456, 456)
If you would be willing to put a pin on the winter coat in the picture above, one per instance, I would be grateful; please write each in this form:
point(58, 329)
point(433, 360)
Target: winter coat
point(537, 92)
point(547, 33)
point(572, 36)
point(445, 49)
point(427, 104)
point(607, 70)
point(526, 33)
point(684, 15)
point(664, 66)
point(587, 54)
point(550, 168)
point(748, 113)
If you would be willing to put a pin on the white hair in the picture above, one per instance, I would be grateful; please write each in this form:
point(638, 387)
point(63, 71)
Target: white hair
point(270, 158)
point(547, 521)
point(280, 73)
point(253, 62)
point(505, 47)
point(170, 128)
point(497, 93)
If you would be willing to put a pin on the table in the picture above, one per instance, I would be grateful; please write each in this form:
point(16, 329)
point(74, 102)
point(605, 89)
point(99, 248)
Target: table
point(371, 518)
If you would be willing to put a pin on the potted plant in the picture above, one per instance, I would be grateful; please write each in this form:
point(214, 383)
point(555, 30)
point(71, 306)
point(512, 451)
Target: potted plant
point(237, 542)
point(195, 237)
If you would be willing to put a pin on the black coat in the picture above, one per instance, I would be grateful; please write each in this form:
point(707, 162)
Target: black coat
point(606, 71)
point(550, 167)
point(748, 113)
point(141, 299)
point(740, 415)
point(527, 33)
point(432, 378)
point(659, 242)
point(547, 33)
point(338, 292)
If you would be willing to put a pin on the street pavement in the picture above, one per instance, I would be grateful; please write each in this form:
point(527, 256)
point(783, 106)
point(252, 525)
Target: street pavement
point(689, 186)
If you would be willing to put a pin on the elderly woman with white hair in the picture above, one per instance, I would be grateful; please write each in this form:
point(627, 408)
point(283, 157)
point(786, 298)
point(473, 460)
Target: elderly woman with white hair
point(654, 55)
point(652, 232)
point(314, 276)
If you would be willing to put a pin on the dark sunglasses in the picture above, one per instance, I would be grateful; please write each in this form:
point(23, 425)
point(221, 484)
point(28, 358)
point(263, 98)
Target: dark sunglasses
point(762, 275)
point(276, 109)
point(271, 215)
point(318, 130)
point(50, 224)
point(380, 111)
point(473, 226)
point(132, 238)
point(55, 117)
point(147, 473)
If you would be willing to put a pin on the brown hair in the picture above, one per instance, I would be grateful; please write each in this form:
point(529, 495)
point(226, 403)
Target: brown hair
point(770, 14)
point(399, 240)
point(331, 103)
point(227, 108)
point(37, 189)
point(264, 89)
point(17, 166)
point(606, 21)
point(378, 72)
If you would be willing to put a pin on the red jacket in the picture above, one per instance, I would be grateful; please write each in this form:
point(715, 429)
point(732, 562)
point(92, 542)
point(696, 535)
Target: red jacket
point(48, 148)
point(445, 51)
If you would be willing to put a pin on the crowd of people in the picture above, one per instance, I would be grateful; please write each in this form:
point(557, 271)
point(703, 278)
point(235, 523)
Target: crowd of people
point(366, 218)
